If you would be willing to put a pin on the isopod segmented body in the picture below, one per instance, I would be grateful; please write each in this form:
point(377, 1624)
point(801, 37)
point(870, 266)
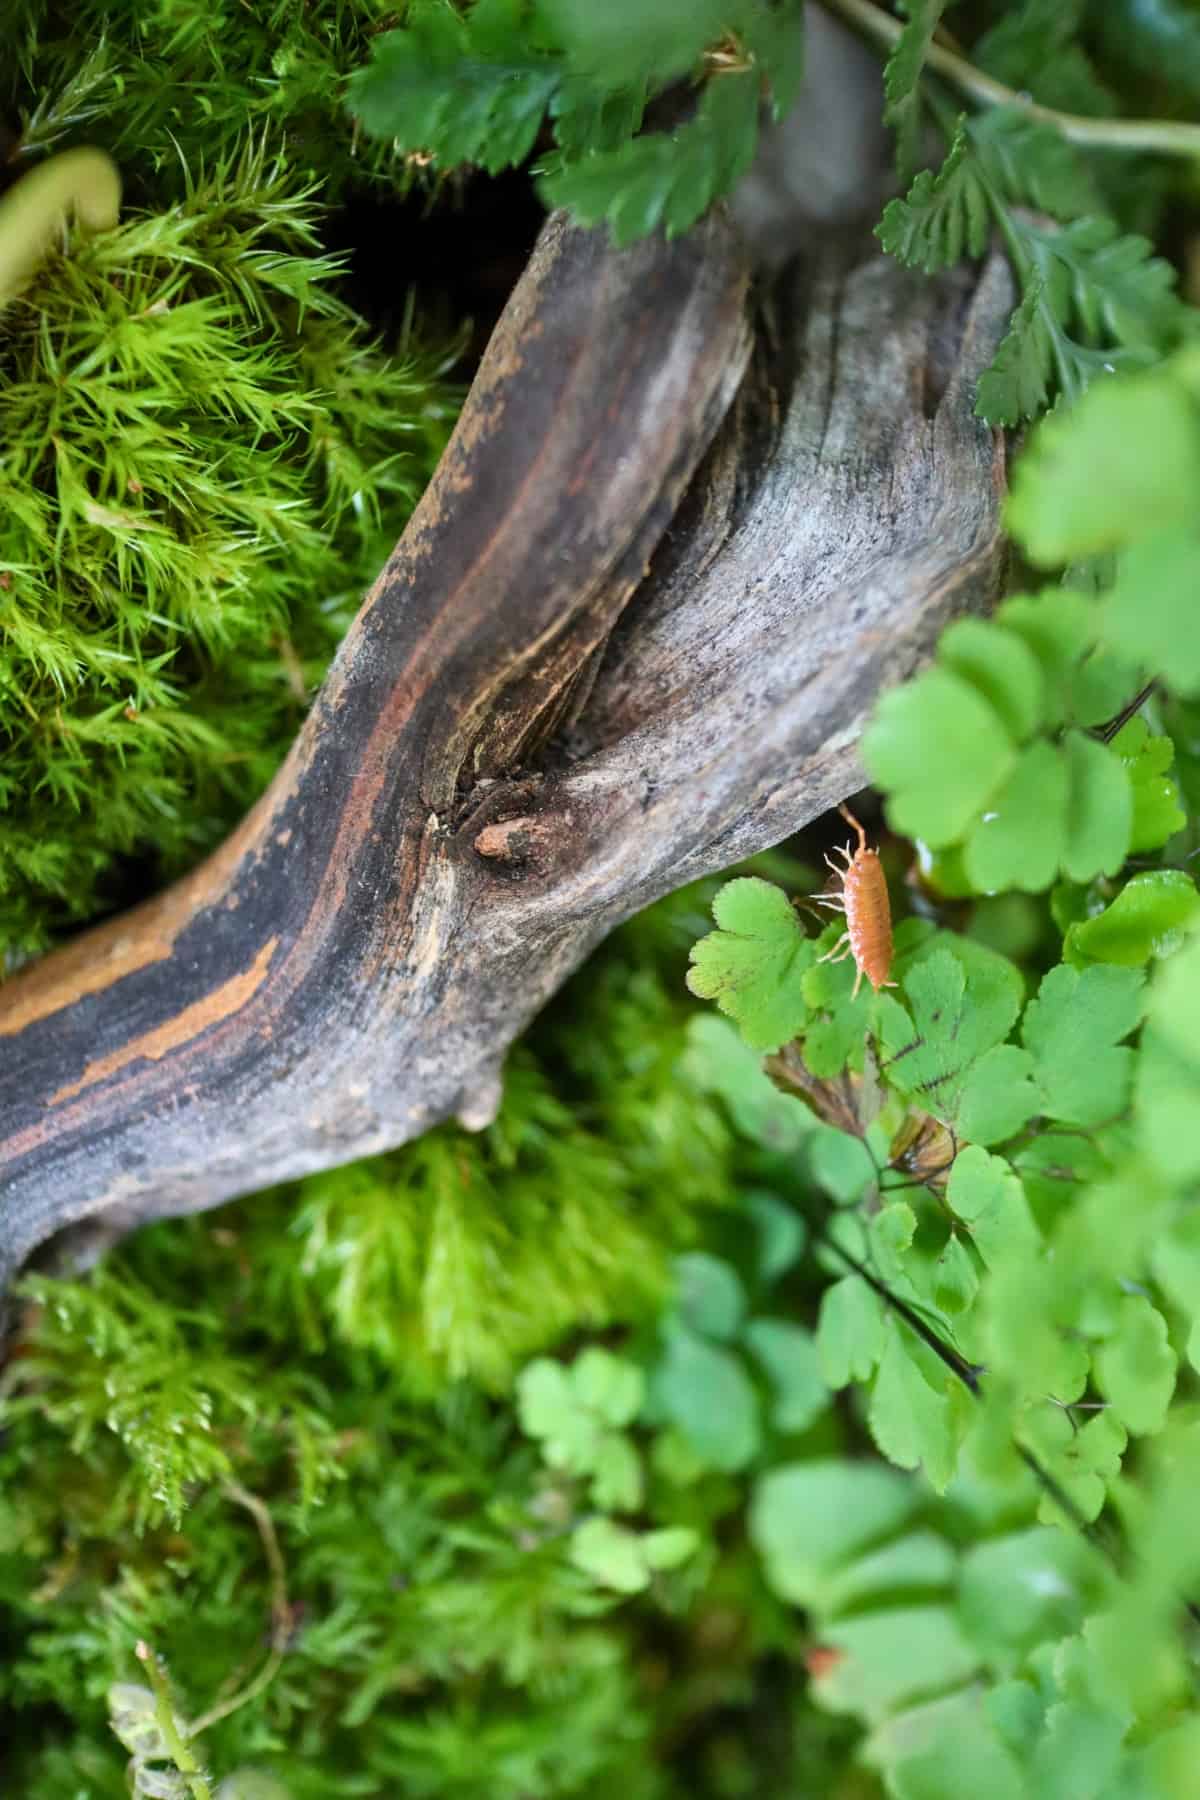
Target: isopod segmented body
point(864, 901)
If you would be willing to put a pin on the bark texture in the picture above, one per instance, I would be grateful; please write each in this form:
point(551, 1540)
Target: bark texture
point(683, 535)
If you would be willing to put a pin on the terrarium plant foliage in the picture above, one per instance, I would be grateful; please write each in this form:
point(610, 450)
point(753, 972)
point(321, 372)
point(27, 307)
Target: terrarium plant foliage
point(796, 1400)
point(205, 458)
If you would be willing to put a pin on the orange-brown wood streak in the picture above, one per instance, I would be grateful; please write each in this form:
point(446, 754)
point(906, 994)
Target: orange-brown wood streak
point(144, 935)
point(221, 1003)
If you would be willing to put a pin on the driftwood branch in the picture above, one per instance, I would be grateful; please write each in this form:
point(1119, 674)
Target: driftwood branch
point(630, 634)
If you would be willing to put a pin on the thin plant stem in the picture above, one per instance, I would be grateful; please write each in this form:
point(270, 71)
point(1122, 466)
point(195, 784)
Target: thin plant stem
point(279, 1612)
point(1167, 137)
point(177, 1742)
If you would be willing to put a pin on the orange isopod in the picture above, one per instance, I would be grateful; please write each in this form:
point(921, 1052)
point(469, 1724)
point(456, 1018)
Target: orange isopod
point(864, 900)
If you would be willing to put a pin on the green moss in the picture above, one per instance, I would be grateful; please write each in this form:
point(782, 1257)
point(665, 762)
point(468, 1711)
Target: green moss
point(204, 462)
point(303, 1346)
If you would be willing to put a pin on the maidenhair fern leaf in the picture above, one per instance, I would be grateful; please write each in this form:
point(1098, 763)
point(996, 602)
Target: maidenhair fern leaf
point(849, 1331)
point(753, 964)
point(1135, 1367)
point(1151, 916)
point(1072, 1030)
point(1121, 466)
point(957, 1012)
point(1157, 812)
point(940, 750)
point(918, 1410)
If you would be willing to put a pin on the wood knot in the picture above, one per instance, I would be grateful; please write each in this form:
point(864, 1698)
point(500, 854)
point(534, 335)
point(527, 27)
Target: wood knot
point(512, 840)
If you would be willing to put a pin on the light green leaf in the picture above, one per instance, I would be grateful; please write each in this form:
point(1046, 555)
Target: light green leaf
point(1002, 666)
point(835, 1036)
point(926, 1748)
point(998, 1096)
point(955, 1277)
point(810, 1518)
point(1174, 1004)
point(891, 1233)
point(986, 1195)
point(1120, 464)
point(914, 1423)
point(1135, 1368)
point(669, 1546)
point(611, 1554)
point(955, 1016)
point(753, 964)
point(1059, 626)
point(1082, 1745)
point(939, 750)
point(918, 1561)
point(1099, 809)
point(1167, 1104)
point(616, 1474)
point(788, 1354)
point(893, 1656)
point(1102, 684)
point(1054, 1166)
point(1175, 1261)
point(550, 1409)
point(1019, 1590)
point(1157, 813)
point(839, 1163)
point(849, 1331)
point(1019, 840)
point(718, 1060)
point(706, 1392)
point(1071, 1030)
point(1152, 916)
point(1150, 612)
point(1082, 1459)
point(608, 1385)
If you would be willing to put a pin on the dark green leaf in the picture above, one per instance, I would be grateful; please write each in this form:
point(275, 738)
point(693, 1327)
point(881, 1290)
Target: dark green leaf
point(665, 180)
point(901, 81)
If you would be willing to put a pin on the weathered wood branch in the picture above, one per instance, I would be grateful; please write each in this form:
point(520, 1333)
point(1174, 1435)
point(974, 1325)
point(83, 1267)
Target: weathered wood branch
point(616, 647)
